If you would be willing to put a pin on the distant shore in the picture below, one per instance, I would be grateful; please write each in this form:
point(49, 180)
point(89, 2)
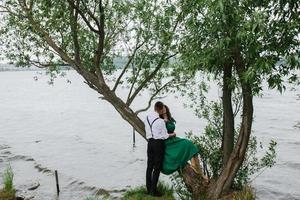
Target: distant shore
point(12, 67)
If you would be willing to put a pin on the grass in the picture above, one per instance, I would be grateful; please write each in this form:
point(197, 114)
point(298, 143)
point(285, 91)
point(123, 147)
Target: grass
point(8, 179)
point(7, 195)
point(139, 193)
point(92, 198)
point(8, 192)
point(246, 193)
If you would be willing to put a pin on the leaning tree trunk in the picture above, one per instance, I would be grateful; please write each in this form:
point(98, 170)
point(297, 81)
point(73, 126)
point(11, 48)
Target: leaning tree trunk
point(225, 180)
point(126, 112)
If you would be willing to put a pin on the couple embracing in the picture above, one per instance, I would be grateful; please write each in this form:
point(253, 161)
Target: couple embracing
point(166, 152)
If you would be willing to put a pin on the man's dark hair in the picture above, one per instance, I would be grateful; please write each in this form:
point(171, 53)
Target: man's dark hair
point(159, 105)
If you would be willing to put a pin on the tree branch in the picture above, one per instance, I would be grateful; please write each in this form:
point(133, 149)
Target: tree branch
point(153, 97)
point(101, 29)
point(91, 14)
point(90, 85)
point(146, 80)
point(99, 52)
point(126, 66)
point(138, 72)
point(171, 56)
point(74, 31)
point(64, 56)
point(238, 105)
point(71, 3)
point(133, 83)
point(164, 57)
point(42, 65)
point(7, 10)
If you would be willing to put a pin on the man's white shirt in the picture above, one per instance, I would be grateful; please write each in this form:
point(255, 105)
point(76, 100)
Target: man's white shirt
point(159, 130)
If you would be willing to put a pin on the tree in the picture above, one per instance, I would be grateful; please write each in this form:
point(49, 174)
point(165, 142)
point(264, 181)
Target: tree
point(91, 36)
point(242, 44)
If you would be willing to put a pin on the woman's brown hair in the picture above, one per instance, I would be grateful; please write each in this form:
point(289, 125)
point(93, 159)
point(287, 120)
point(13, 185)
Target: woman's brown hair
point(168, 113)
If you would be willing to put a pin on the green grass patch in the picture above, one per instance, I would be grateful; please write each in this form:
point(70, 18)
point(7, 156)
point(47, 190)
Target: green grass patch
point(8, 179)
point(139, 193)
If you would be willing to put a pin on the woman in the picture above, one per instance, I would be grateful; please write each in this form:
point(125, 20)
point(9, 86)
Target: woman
point(178, 151)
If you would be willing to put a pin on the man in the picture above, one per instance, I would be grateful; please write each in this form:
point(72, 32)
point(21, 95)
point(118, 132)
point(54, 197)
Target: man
point(156, 133)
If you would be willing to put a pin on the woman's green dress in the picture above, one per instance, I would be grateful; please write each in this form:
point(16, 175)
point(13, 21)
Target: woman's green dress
point(178, 151)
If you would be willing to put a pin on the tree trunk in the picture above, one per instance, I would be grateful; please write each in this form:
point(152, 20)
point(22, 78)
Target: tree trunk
point(194, 182)
point(224, 182)
point(228, 118)
point(124, 110)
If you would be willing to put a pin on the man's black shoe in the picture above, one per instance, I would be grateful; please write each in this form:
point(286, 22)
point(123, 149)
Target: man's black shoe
point(156, 194)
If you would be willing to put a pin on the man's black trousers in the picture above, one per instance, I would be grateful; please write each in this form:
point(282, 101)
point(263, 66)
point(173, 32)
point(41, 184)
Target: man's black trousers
point(155, 153)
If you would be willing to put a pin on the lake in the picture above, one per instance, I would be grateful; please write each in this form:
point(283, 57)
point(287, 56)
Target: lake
point(66, 127)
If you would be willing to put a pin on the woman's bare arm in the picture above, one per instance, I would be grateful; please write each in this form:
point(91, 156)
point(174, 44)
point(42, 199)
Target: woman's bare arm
point(172, 134)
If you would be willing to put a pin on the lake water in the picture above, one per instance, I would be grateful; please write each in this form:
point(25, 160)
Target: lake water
point(66, 127)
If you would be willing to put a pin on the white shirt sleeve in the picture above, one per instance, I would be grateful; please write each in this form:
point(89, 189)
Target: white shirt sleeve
point(164, 131)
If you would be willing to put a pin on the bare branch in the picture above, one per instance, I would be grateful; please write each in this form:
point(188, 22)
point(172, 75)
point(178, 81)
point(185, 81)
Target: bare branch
point(146, 80)
point(133, 83)
point(238, 106)
point(136, 76)
point(153, 97)
point(126, 66)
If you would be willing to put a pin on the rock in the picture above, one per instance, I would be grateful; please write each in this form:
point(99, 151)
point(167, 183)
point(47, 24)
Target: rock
point(29, 159)
point(34, 186)
point(29, 198)
point(20, 198)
